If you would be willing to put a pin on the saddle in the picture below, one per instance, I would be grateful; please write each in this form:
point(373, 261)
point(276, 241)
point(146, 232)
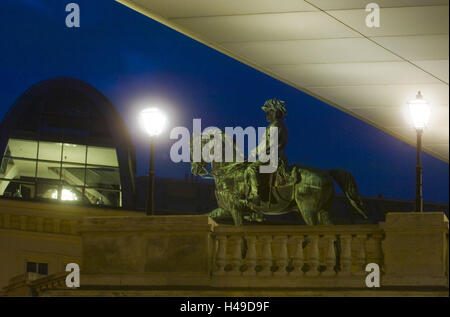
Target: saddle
point(277, 190)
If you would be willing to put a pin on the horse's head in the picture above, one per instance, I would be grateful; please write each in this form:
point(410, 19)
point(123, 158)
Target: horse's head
point(211, 146)
point(198, 168)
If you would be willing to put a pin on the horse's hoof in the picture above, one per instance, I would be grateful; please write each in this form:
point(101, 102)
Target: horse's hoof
point(254, 201)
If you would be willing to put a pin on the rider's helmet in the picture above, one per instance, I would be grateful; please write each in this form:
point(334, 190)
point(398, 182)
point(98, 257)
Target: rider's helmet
point(276, 105)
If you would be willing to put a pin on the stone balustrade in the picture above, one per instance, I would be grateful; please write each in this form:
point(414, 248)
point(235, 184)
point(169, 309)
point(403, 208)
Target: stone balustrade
point(296, 252)
point(49, 218)
point(151, 254)
point(36, 223)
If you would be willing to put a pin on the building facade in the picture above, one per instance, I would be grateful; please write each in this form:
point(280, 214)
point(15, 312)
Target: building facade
point(68, 195)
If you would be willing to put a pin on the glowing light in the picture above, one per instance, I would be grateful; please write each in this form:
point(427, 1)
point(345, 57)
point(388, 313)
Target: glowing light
point(66, 194)
point(152, 120)
point(419, 111)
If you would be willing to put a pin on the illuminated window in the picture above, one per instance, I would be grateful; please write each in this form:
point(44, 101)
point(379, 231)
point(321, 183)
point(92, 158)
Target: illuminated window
point(61, 171)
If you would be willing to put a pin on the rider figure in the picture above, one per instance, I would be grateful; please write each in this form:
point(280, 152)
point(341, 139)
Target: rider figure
point(275, 113)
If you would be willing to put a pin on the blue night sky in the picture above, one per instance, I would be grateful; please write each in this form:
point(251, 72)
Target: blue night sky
point(132, 60)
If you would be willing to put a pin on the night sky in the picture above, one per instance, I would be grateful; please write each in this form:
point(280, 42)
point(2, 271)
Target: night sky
point(135, 61)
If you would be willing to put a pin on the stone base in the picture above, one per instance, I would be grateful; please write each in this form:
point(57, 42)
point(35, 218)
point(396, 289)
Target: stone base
point(435, 292)
point(415, 249)
point(163, 250)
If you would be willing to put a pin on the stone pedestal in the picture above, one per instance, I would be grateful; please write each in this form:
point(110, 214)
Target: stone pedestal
point(147, 250)
point(415, 249)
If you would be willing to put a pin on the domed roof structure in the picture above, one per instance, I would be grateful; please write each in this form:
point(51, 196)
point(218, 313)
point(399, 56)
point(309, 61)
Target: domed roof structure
point(63, 139)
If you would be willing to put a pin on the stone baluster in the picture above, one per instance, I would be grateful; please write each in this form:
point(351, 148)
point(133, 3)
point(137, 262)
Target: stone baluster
point(221, 255)
point(49, 225)
point(39, 224)
point(23, 222)
point(446, 257)
point(282, 260)
point(74, 227)
point(378, 251)
point(250, 258)
point(298, 259)
point(236, 255)
point(266, 261)
point(361, 257)
point(6, 221)
point(57, 225)
point(346, 254)
point(31, 223)
point(313, 259)
point(330, 257)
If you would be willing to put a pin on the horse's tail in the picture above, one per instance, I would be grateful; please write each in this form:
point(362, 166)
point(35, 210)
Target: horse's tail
point(347, 183)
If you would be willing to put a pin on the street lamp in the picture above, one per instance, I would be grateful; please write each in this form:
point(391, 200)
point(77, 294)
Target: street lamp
point(152, 122)
point(420, 113)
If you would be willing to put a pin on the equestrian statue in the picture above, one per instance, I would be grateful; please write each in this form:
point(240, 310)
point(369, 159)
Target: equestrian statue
point(243, 192)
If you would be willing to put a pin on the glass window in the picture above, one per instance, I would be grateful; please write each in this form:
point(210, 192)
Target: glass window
point(70, 193)
point(17, 190)
point(52, 124)
point(31, 267)
point(42, 268)
point(102, 156)
point(105, 177)
point(28, 124)
point(74, 153)
point(73, 174)
point(47, 191)
point(50, 151)
point(48, 170)
point(34, 267)
point(22, 148)
point(5, 165)
point(99, 127)
point(63, 171)
point(12, 168)
point(105, 197)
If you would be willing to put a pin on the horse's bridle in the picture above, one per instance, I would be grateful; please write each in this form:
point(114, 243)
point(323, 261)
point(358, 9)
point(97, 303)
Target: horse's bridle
point(205, 173)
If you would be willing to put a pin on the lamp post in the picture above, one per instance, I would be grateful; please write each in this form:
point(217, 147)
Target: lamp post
point(420, 112)
point(152, 121)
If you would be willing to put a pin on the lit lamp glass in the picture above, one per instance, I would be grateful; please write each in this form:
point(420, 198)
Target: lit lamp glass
point(420, 111)
point(152, 121)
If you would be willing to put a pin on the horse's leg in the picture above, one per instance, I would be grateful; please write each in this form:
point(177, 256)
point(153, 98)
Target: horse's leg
point(324, 217)
point(306, 207)
point(217, 213)
point(325, 201)
point(312, 206)
point(238, 216)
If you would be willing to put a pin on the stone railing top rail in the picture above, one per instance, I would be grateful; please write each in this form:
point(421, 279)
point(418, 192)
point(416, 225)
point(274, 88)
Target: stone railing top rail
point(58, 210)
point(414, 221)
point(325, 230)
point(148, 223)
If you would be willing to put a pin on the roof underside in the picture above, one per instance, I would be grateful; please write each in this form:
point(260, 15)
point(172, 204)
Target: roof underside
point(324, 48)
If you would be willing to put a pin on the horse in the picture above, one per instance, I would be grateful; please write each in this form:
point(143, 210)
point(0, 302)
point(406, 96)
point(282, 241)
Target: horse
point(309, 191)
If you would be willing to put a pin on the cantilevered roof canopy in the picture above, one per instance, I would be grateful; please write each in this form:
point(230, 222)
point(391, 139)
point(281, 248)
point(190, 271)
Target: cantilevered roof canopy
point(324, 48)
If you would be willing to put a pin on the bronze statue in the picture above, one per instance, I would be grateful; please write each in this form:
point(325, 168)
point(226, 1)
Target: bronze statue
point(242, 191)
point(275, 112)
